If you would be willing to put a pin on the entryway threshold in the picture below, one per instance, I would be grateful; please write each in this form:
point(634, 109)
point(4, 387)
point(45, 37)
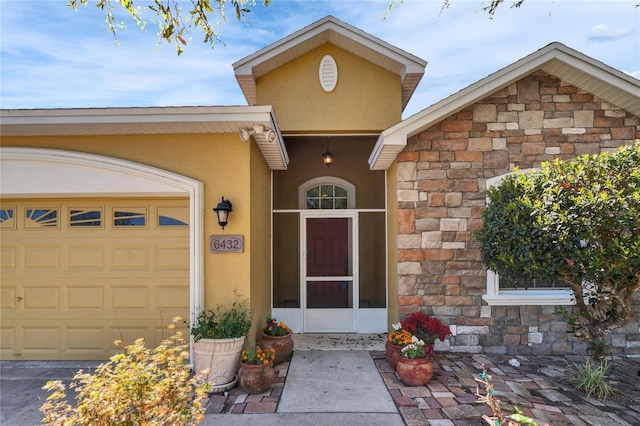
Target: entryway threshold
point(338, 342)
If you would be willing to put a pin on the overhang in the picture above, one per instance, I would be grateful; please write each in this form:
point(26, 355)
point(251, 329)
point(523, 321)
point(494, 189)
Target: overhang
point(329, 30)
point(151, 121)
point(556, 59)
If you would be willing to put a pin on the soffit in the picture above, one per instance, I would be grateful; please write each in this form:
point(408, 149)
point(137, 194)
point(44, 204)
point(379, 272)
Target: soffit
point(329, 30)
point(149, 121)
point(556, 59)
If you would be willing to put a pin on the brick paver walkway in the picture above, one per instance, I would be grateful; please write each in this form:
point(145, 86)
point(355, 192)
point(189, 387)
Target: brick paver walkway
point(537, 386)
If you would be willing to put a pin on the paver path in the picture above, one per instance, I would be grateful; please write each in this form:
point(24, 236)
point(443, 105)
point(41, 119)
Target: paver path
point(536, 386)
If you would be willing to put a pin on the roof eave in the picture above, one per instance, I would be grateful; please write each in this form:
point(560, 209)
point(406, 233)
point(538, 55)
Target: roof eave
point(151, 120)
point(410, 68)
point(556, 59)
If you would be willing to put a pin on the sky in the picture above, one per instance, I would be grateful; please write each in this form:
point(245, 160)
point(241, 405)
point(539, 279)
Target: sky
point(53, 57)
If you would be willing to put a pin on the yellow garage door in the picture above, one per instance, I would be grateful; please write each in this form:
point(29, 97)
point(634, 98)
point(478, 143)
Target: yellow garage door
point(78, 274)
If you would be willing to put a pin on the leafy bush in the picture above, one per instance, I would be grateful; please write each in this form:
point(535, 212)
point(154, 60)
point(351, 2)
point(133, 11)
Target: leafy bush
point(577, 222)
point(223, 322)
point(137, 386)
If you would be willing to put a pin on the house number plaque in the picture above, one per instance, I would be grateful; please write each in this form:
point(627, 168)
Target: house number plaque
point(226, 243)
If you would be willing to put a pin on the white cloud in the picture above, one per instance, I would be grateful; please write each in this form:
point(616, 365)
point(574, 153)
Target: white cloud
point(602, 32)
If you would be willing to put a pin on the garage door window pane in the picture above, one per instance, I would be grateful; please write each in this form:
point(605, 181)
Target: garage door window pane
point(130, 217)
point(41, 218)
point(85, 218)
point(173, 216)
point(7, 220)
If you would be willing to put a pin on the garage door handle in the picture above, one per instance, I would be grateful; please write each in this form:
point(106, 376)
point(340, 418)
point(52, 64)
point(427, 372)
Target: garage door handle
point(17, 299)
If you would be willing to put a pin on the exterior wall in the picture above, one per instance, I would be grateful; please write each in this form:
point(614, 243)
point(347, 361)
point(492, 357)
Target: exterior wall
point(366, 98)
point(441, 183)
point(224, 164)
point(259, 238)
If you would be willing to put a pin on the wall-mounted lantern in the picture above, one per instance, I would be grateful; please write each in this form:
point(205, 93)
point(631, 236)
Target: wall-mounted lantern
point(222, 211)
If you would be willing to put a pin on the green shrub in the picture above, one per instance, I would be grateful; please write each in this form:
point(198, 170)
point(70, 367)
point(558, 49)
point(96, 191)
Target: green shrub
point(591, 377)
point(577, 222)
point(223, 322)
point(138, 386)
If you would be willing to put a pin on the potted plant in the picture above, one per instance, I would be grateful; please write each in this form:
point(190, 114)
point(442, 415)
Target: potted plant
point(256, 369)
point(277, 335)
point(395, 342)
point(426, 328)
point(414, 366)
point(218, 337)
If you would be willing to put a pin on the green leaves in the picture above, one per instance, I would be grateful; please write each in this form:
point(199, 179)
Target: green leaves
point(173, 25)
point(578, 221)
point(224, 322)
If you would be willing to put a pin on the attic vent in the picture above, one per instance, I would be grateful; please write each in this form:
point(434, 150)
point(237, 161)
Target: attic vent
point(328, 73)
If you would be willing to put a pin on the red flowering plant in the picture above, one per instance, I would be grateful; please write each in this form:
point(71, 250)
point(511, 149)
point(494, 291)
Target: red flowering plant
point(425, 327)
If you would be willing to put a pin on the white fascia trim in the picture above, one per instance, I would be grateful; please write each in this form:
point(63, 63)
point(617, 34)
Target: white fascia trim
point(136, 115)
point(393, 143)
point(502, 78)
point(596, 69)
point(412, 63)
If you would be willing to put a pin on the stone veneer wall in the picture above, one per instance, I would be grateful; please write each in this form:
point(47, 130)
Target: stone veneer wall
point(441, 183)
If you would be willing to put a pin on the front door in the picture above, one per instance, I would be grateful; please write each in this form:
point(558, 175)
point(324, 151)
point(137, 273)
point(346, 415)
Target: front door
point(329, 287)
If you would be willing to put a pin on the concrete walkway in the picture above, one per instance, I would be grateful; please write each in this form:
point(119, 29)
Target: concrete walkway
point(327, 388)
point(331, 380)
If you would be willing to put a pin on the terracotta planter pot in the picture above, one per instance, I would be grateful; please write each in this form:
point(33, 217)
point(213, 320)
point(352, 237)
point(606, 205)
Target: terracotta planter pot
point(414, 372)
point(283, 345)
point(255, 378)
point(392, 353)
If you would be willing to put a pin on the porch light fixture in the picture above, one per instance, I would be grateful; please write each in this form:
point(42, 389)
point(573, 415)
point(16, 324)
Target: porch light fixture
point(222, 211)
point(258, 129)
point(327, 157)
point(246, 134)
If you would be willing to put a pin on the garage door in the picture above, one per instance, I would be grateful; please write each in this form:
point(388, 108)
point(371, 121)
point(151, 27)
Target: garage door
point(77, 274)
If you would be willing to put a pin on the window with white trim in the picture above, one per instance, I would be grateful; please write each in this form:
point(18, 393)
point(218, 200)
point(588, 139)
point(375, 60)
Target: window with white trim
point(526, 293)
point(326, 193)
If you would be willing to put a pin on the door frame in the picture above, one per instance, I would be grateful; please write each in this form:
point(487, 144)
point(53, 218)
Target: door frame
point(312, 316)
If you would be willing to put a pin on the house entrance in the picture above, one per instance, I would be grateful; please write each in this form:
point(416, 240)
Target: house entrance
point(329, 251)
point(330, 286)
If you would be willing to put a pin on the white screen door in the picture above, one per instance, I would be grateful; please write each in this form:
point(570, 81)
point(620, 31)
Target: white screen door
point(329, 287)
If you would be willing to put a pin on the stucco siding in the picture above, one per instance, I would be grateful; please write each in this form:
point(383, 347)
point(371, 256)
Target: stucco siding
point(221, 161)
point(366, 98)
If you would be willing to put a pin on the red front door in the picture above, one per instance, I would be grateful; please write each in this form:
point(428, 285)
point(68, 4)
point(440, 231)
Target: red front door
point(329, 273)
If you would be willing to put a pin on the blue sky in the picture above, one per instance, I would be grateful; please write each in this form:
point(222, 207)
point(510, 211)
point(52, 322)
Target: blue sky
point(53, 57)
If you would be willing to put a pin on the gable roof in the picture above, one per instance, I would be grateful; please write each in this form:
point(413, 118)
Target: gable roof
point(556, 59)
point(329, 30)
point(150, 121)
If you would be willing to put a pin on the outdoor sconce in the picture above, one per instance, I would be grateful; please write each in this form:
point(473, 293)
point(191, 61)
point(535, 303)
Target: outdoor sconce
point(327, 157)
point(222, 211)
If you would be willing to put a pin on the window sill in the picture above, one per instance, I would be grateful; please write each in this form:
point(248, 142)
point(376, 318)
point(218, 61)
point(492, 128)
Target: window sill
point(530, 297)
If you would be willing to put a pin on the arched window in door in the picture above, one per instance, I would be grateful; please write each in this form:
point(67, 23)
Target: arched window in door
point(326, 193)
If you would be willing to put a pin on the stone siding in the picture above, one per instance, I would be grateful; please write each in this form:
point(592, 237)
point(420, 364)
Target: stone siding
point(442, 177)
